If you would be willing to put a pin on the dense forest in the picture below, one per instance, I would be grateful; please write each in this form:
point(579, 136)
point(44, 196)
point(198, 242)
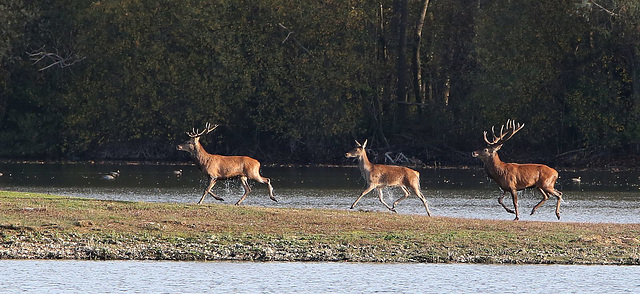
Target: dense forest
point(297, 81)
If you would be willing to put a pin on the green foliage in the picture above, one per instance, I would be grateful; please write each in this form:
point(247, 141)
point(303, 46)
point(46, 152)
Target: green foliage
point(172, 66)
point(521, 68)
point(14, 16)
point(297, 81)
point(557, 67)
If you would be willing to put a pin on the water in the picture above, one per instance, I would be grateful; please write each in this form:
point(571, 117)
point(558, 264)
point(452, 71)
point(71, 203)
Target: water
point(48, 276)
point(600, 196)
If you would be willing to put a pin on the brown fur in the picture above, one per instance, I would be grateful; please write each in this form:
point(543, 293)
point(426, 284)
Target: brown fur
point(379, 176)
point(218, 167)
point(513, 177)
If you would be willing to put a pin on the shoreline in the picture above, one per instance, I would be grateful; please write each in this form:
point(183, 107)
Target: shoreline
point(478, 166)
point(278, 250)
point(38, 226)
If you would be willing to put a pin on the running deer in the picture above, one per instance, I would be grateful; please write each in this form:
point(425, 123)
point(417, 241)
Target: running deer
point(218, 167)
point(379, 176)
point(513, 177)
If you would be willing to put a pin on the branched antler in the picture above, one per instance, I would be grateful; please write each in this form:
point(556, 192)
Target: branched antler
point(512, 128)
point(207, 129)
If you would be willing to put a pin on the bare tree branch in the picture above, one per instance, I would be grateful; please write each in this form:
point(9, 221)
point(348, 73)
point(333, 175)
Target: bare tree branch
point(602, 7)
point(53, 59)
point(293, 38)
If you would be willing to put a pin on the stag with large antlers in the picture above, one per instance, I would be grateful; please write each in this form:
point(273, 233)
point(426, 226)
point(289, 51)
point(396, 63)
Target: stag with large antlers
point(513, 177)
point(218, 167)
point(379, 176)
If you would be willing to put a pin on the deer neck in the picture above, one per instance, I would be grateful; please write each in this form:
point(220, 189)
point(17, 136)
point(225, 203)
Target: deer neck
point(365, 165)
point(201, 156)
point(494, 166)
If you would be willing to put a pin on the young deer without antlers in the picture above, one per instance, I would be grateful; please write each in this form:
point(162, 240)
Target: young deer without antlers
point(218, 167)
point(379, 176)
point(513, 177)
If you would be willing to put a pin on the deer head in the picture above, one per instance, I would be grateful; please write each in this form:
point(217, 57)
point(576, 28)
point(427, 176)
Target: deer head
point(496, 143)
point(191, 144)
point(358, 151)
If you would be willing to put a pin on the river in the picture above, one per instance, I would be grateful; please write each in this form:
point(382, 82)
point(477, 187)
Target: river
point(47, 276)
point(599, 196)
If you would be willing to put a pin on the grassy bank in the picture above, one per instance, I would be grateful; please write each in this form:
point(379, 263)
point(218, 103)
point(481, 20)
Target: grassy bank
point(54, 227)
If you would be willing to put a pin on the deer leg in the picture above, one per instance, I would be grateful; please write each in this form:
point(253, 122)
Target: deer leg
point(382, 200)
point(213, 194)
point(268, 182)
point(509, 210)
point(424, 201)
point(406, 194)
point(216, 196)
point(212, 182)
point(514, 197)
point(558, 195)
point(255, 175)
point(247, 189)
point(362, 194)
point(544, 198)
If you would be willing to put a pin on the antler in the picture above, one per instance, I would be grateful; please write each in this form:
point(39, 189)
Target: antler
point(512, 128)
point(207, 129)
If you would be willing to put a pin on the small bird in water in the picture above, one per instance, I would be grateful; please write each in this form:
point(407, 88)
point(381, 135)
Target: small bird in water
point(111, 175)
point(576, 180)
point(177, 172)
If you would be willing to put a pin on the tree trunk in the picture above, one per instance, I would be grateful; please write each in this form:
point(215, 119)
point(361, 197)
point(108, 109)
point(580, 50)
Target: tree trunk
point(379, 106)
point(4, 94)
point(634, 73)
point(418, 87)
point(401, 10)
point(382, 43)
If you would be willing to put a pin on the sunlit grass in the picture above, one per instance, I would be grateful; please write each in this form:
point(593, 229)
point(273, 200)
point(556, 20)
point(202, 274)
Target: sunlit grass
point(385, 236)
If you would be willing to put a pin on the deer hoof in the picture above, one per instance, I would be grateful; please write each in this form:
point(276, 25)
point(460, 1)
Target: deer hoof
point(274, 199)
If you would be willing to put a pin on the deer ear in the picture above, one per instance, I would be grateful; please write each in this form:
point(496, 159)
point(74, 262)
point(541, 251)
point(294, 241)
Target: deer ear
point(358, 143)
point(496, 148)
point(364, 144)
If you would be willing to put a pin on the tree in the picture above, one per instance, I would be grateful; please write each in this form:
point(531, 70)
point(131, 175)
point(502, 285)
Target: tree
point(400, 9)
point(418, 87)
point(522, 51)
point(14, 16)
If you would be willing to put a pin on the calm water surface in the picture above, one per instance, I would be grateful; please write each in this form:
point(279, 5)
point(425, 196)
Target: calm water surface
point(600, 196)
point(280, 277)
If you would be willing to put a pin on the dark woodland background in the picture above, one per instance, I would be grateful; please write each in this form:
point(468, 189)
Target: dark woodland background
point(298, 81)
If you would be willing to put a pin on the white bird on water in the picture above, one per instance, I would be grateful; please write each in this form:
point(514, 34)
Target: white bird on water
point(576, 180)
point(111, 175)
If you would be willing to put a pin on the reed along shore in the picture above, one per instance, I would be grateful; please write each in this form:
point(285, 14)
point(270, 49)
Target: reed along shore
point(38, 226)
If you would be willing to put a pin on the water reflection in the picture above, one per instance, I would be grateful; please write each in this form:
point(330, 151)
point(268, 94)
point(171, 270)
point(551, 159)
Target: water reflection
point(281, 277)
point(599, 196)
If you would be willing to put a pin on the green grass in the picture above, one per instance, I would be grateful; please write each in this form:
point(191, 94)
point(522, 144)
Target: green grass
point(49, 226)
